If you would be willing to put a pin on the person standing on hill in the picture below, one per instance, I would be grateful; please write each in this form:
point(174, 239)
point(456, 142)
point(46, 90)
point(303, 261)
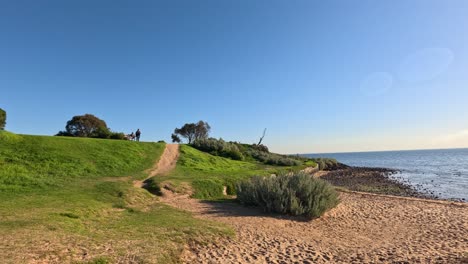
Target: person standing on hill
point(137, 134)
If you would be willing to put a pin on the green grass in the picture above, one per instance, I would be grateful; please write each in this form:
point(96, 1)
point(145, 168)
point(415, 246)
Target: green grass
point(72, 200)
point(32, 162)
point(207, 174)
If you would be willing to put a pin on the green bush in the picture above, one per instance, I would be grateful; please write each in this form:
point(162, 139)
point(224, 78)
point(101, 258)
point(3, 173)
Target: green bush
point(260, 147)
point(218, 147)
point(230, 184)
point(254, 152)
point(118, 135)
point(152, 186)
point(207, 188)
point(298, 194)
point(327, 163)
point(2, 119)
point(101, 132)
point(272, 158)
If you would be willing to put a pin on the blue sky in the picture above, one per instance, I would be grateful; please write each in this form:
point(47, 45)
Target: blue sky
point(321, 76)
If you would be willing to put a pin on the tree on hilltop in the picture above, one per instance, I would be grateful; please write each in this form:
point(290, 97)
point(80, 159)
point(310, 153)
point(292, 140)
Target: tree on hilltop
point(175, 138)
point(193, 131)
point(2, 119)
point(86, 126)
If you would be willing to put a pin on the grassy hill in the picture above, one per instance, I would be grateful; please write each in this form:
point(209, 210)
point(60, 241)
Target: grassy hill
point(72, 200)
point(205, 175)
point(37, 162)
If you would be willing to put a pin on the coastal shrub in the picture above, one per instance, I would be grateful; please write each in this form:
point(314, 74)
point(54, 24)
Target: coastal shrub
point(327, 163)
point(2, 119)
point(101, 132)
point(298, 194)
point(260, 147)
point(207, 188)
point(238, 151)
point(230, 186)
point(152, 186)
point(118, 135)
point(273, 159)
point(218, 147)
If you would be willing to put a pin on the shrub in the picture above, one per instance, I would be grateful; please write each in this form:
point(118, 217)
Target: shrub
point(299, 194)
point(273, 159)
point(327, 163)
point(118, 135)
point(238, 151)
point(152, 186)
point(64, 134)
point(207, 188)
point(218, 147)
point(2, 119)
point(101, 132)
point(260, 147)
point(230, 184)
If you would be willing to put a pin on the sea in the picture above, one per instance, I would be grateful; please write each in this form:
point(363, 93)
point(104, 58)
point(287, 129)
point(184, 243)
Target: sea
point(444, 172)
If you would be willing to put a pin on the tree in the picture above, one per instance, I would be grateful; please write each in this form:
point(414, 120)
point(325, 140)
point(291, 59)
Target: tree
point(2, 119)
point(86, 126)
point(261, 138)
point(192, 131)
point(202, 130)
point(175, 138)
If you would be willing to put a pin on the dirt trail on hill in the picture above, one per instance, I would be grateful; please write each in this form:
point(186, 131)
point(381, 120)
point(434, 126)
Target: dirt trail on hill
point(166, 163)
point(362, 229)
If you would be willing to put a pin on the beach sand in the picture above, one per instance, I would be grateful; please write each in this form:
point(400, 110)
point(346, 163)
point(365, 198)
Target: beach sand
point(363, 228)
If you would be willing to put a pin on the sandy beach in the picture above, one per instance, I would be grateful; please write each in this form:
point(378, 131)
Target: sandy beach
point(364, 228)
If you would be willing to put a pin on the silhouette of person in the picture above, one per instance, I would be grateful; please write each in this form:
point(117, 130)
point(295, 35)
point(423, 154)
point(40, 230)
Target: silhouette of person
point(137, 134)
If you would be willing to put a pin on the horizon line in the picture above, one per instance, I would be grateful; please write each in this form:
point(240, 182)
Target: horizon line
point(370, 151)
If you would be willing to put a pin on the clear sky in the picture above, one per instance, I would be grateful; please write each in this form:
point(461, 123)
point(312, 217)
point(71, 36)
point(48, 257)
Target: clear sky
point(321, 76)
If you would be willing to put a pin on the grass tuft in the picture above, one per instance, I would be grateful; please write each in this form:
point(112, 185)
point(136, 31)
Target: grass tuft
point(70, 215)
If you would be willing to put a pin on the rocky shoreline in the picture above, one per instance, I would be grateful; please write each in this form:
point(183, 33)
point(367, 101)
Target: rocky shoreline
point(376, 180)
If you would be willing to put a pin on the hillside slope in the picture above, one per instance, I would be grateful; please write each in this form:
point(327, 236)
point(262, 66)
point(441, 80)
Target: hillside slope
point(206, 175)
point(44, 162)
point(68, 200)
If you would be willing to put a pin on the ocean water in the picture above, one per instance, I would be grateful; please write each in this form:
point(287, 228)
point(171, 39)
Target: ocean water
point(442, 171)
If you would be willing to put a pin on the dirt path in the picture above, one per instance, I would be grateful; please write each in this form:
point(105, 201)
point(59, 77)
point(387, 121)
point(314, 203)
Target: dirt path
point(166, 163)
point(362, 229)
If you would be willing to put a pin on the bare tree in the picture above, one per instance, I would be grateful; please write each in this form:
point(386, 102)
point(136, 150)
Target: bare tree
point(260, 142)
